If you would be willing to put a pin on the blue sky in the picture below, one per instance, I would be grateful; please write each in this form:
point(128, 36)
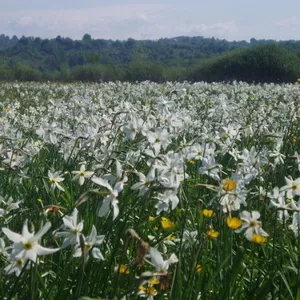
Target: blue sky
point(121, 19)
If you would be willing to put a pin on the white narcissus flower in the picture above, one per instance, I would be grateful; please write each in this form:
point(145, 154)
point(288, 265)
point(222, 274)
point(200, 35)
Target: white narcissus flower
point(210, 168)
point(251, 224)
point(73, 230)
point(9, 205)
point(145, 182)
point(159, 263)
point(278, 201)
point(89, 246)
point(295, 226)
point(166, 199)
point(82, 174)
point(55, 178)
point(159, 138)
point(26, 245)
point(16, 266)
point(110, 199)
point(292, 187)
point(14, 159)
point(278, 157)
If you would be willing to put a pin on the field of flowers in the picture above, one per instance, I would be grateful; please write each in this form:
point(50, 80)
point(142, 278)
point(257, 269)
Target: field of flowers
point(157, 191)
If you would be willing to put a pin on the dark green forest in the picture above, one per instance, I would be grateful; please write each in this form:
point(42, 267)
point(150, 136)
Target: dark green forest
point(168, 59)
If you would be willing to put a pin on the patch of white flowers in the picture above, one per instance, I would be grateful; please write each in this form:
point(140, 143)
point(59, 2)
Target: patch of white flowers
point(179, 122)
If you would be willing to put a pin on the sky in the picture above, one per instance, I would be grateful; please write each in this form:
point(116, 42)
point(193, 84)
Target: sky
point(146, 19)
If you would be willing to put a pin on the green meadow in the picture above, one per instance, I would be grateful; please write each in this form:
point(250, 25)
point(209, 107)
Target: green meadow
point(144, 190)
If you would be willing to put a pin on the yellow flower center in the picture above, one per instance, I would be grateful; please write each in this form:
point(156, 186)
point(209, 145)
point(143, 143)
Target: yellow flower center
point(19, 262)
point(254, 223)
point(88, 246)
point(28, 245)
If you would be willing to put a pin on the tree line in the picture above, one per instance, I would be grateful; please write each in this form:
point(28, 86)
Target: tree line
point(176, 59)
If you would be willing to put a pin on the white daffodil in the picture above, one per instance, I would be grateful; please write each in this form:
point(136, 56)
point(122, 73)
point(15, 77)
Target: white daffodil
point(230, 203)
point(159, 263)
point(26, 245)
point(110, 199)
point(9, 205)
point(159, 138)
point(145, 182)
point(89, 244)
point(16, 266)
point(295, 226)
point(82, 174)
point(14, 159)
point(278, 201)
point(251, 224)
point(72, 230)
point(292, 187)
point(210, 168)
point(165, 200)
point(55, 178)
point(276, 155)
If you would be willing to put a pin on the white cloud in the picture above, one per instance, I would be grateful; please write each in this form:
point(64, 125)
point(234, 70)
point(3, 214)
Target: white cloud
point(139, 21)
point(226, 29)
point(288, 22)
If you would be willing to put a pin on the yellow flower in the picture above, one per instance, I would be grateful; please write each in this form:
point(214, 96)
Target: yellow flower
point(234, 223)
point(229, 184)
point(148, 290)
point(190, 161)
point(208, 213)
point(123, 269)
point(198, 268)
point(170, 238)
point(211, 234)
point(166, 223)
point(153, 281)
point(151, 218)
point(298, 80)
point(258, 239)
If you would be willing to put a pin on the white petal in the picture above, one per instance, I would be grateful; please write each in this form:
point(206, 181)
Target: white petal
point(102, 182)
point(92, 237)
point(255, 215)
point(14, 237)
point(104, 209)
point(41, 232)
point(81, 180)
point(97, 254)
point(156, 258)
point(40, 250)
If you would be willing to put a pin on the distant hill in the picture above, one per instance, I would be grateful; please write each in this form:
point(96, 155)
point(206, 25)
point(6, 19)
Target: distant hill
point(173, 58)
